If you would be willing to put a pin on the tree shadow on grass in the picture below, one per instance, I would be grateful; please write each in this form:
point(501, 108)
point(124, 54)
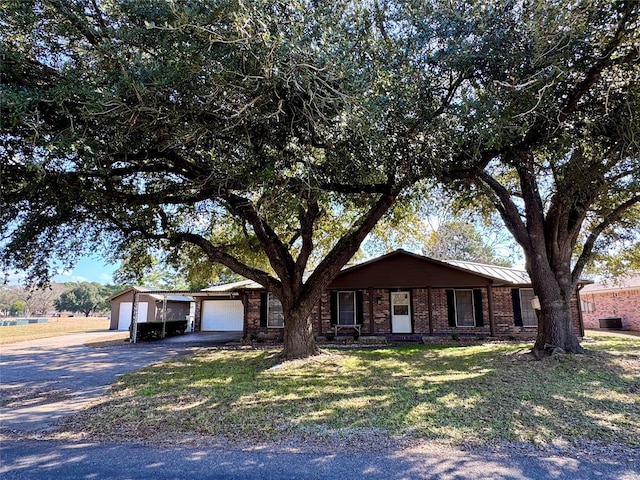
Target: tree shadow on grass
point(471, 395)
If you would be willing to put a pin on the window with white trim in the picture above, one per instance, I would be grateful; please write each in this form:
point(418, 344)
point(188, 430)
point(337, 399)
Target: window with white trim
point(346, 308)
point(587, 306)
point(465, 312)
point(529, 317)
point(275, 316)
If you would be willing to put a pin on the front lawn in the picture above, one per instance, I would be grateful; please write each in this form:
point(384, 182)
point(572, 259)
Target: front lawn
point(471, 395)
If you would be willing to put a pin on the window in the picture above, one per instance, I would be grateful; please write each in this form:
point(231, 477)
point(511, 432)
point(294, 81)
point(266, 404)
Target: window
point(346, 308)
point(464, 308)
point(587, 306)
point(275, 317)
point(529, 317)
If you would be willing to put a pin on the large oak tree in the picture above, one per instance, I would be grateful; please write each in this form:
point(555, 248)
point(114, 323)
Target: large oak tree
point(266, 136)
point(552, 136)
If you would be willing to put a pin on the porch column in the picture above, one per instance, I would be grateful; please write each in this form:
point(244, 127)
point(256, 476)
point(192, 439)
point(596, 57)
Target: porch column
point(579, 305)
point(372, 325)
point(430, 310)
point(133, 332)
point(320, 316)
point(492, 323)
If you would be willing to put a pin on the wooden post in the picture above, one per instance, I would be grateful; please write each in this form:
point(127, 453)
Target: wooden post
point(430, 310)
point(580, 317)
point(492, 323)
point(372, 320)
point(164, 316)
point(133, 337)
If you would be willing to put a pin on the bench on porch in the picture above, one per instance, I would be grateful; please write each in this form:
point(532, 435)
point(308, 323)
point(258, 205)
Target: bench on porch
point(356, 329)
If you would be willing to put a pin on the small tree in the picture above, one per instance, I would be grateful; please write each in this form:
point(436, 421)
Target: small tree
point(85, 297)
point(9, 294)
point(17, 308)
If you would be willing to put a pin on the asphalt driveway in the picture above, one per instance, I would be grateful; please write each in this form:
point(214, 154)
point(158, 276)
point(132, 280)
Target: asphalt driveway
point(43, 380)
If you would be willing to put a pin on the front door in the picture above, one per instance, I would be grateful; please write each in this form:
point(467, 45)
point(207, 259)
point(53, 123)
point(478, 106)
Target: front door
point(400, 312)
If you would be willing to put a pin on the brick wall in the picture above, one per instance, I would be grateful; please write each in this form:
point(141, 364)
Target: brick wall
point(381, 322)
point(623, 304)
point(441, 315)
point(420, 310)
point(252, 312)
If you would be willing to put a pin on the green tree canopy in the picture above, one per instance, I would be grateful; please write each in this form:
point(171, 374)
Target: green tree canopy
point(460, 240)
point(85, 297)
point(272, 136)
point(266, 136)
point(17, 308)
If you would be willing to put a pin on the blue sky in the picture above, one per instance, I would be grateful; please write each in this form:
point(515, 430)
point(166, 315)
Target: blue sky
point(87, 269)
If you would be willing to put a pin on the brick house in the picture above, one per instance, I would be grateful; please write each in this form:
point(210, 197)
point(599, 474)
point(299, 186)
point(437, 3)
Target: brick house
point(401, 295)
point(615, 304)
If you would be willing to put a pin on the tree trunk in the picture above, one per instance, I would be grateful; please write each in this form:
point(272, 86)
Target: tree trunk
point(555, 326)
point(299, 341)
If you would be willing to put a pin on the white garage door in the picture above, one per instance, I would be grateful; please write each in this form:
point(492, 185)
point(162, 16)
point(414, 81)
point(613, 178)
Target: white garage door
point(124, 318)
point(222, 316)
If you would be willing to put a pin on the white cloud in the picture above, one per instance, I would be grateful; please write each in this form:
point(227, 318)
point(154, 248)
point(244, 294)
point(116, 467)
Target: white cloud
point(13, 278)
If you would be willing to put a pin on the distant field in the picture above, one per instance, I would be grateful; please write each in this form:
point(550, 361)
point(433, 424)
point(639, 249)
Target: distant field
point(53, 328)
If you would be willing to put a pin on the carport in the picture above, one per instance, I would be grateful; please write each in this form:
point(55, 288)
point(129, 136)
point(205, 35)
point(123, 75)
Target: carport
point(220, 312)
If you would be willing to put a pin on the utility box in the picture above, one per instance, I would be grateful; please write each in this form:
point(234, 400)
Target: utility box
point(611, 323)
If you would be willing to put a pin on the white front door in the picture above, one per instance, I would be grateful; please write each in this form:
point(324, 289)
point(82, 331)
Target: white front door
point(222, 316)
point(124, 317)
point(400, 312)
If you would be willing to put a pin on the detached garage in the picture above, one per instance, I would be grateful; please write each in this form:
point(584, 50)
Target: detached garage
point(222, 316)
point(152, 307)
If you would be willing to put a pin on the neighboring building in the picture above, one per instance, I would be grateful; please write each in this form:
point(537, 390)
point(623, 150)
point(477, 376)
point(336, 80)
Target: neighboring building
point(152, 307)
point(614, 304)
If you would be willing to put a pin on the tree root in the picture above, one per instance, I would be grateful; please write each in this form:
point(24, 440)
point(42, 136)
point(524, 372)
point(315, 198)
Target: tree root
point(554, 351)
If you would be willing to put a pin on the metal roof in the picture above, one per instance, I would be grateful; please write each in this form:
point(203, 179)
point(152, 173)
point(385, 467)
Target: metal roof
point(506, 274)
point(228, 287)
point(171, 298)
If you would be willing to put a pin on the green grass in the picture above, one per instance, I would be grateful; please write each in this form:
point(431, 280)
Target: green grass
point(478, 395)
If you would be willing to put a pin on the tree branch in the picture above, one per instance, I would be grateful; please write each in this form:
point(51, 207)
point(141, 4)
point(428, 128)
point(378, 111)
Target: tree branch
point(279, 256)
point(605, 60)
point(587, 249)
point(347, 246)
